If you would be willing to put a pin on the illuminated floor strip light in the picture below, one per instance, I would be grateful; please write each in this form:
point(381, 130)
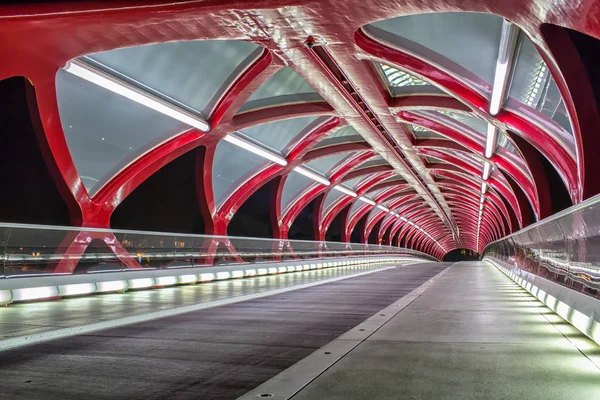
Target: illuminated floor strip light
point(122, 88)
point(8, 296)
point(583, 323)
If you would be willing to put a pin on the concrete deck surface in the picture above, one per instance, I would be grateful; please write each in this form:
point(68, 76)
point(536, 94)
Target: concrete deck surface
point(474, 334)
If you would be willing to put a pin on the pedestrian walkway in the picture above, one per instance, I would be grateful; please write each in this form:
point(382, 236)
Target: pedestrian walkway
point(473, 334)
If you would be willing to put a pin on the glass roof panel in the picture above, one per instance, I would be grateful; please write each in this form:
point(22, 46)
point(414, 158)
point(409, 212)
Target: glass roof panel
point(325, 164)
point(332, 197)
point(185, 72)
point(374, 193)
point(534, 86)
point(477, 124)
point(353, 182)
point(294, 185)
point(377, 160)
point(285, 87)
point(471, 40)
point(279, 134)
point(104, 131)
point(424, 133)
point(346, 134)
point(355, 206)
point(232, 166)
point(398, 78)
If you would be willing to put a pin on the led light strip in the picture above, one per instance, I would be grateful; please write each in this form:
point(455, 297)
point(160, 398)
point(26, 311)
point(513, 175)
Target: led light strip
point(583, 323)
point(122, 88)
point(312, 175)
point(8, 296)
point(256, 149)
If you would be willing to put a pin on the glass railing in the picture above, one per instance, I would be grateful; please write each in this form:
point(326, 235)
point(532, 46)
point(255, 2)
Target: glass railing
point(564, 248)
point(35, 250)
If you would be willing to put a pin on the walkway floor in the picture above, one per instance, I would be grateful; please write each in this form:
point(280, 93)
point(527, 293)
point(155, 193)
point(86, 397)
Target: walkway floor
point(474, 334)
point(216, 353)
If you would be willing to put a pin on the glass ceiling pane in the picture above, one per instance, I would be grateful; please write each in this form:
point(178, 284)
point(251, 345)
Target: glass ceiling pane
point(347, 134)
point(377, 160)
point(325, 164)
point(193, 73)
point(279, 134)
point(353, 182)
point(477, 124)
point(374, 193)
point(398, 78)
point(332, 197)
point(534, 86)
point(471, 40)
point(355, 206)
point(232, 166)
point(105, 131)
point(424, 133)
point(285, 87)
point(345, 131)
point(294, 185)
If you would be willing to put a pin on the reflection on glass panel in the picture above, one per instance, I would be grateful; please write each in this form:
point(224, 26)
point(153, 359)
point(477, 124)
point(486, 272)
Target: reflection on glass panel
point(325, 164)
point(105, 131)
point(279, 134)
point(564, 249)
point(294, 185)
point(332, 197)
point(534, 86)
point(182, 71)
point(231, 167)
point(285, 87)
point(471, 40)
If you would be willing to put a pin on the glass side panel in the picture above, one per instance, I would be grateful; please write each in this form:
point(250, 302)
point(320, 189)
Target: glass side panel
point(186, 71)
point(279, 134)
point(294, 185)
point(471, 40)
point(104, 131)
point(232, 166)
point(285, 87)
point(534, 86)
point(325, 164)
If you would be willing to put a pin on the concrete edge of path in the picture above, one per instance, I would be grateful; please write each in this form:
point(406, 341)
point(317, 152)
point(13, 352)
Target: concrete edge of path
point(291, 381)
point(35, 338)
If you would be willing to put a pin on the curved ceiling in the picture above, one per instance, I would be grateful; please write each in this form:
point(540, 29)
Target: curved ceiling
point(427, 124)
